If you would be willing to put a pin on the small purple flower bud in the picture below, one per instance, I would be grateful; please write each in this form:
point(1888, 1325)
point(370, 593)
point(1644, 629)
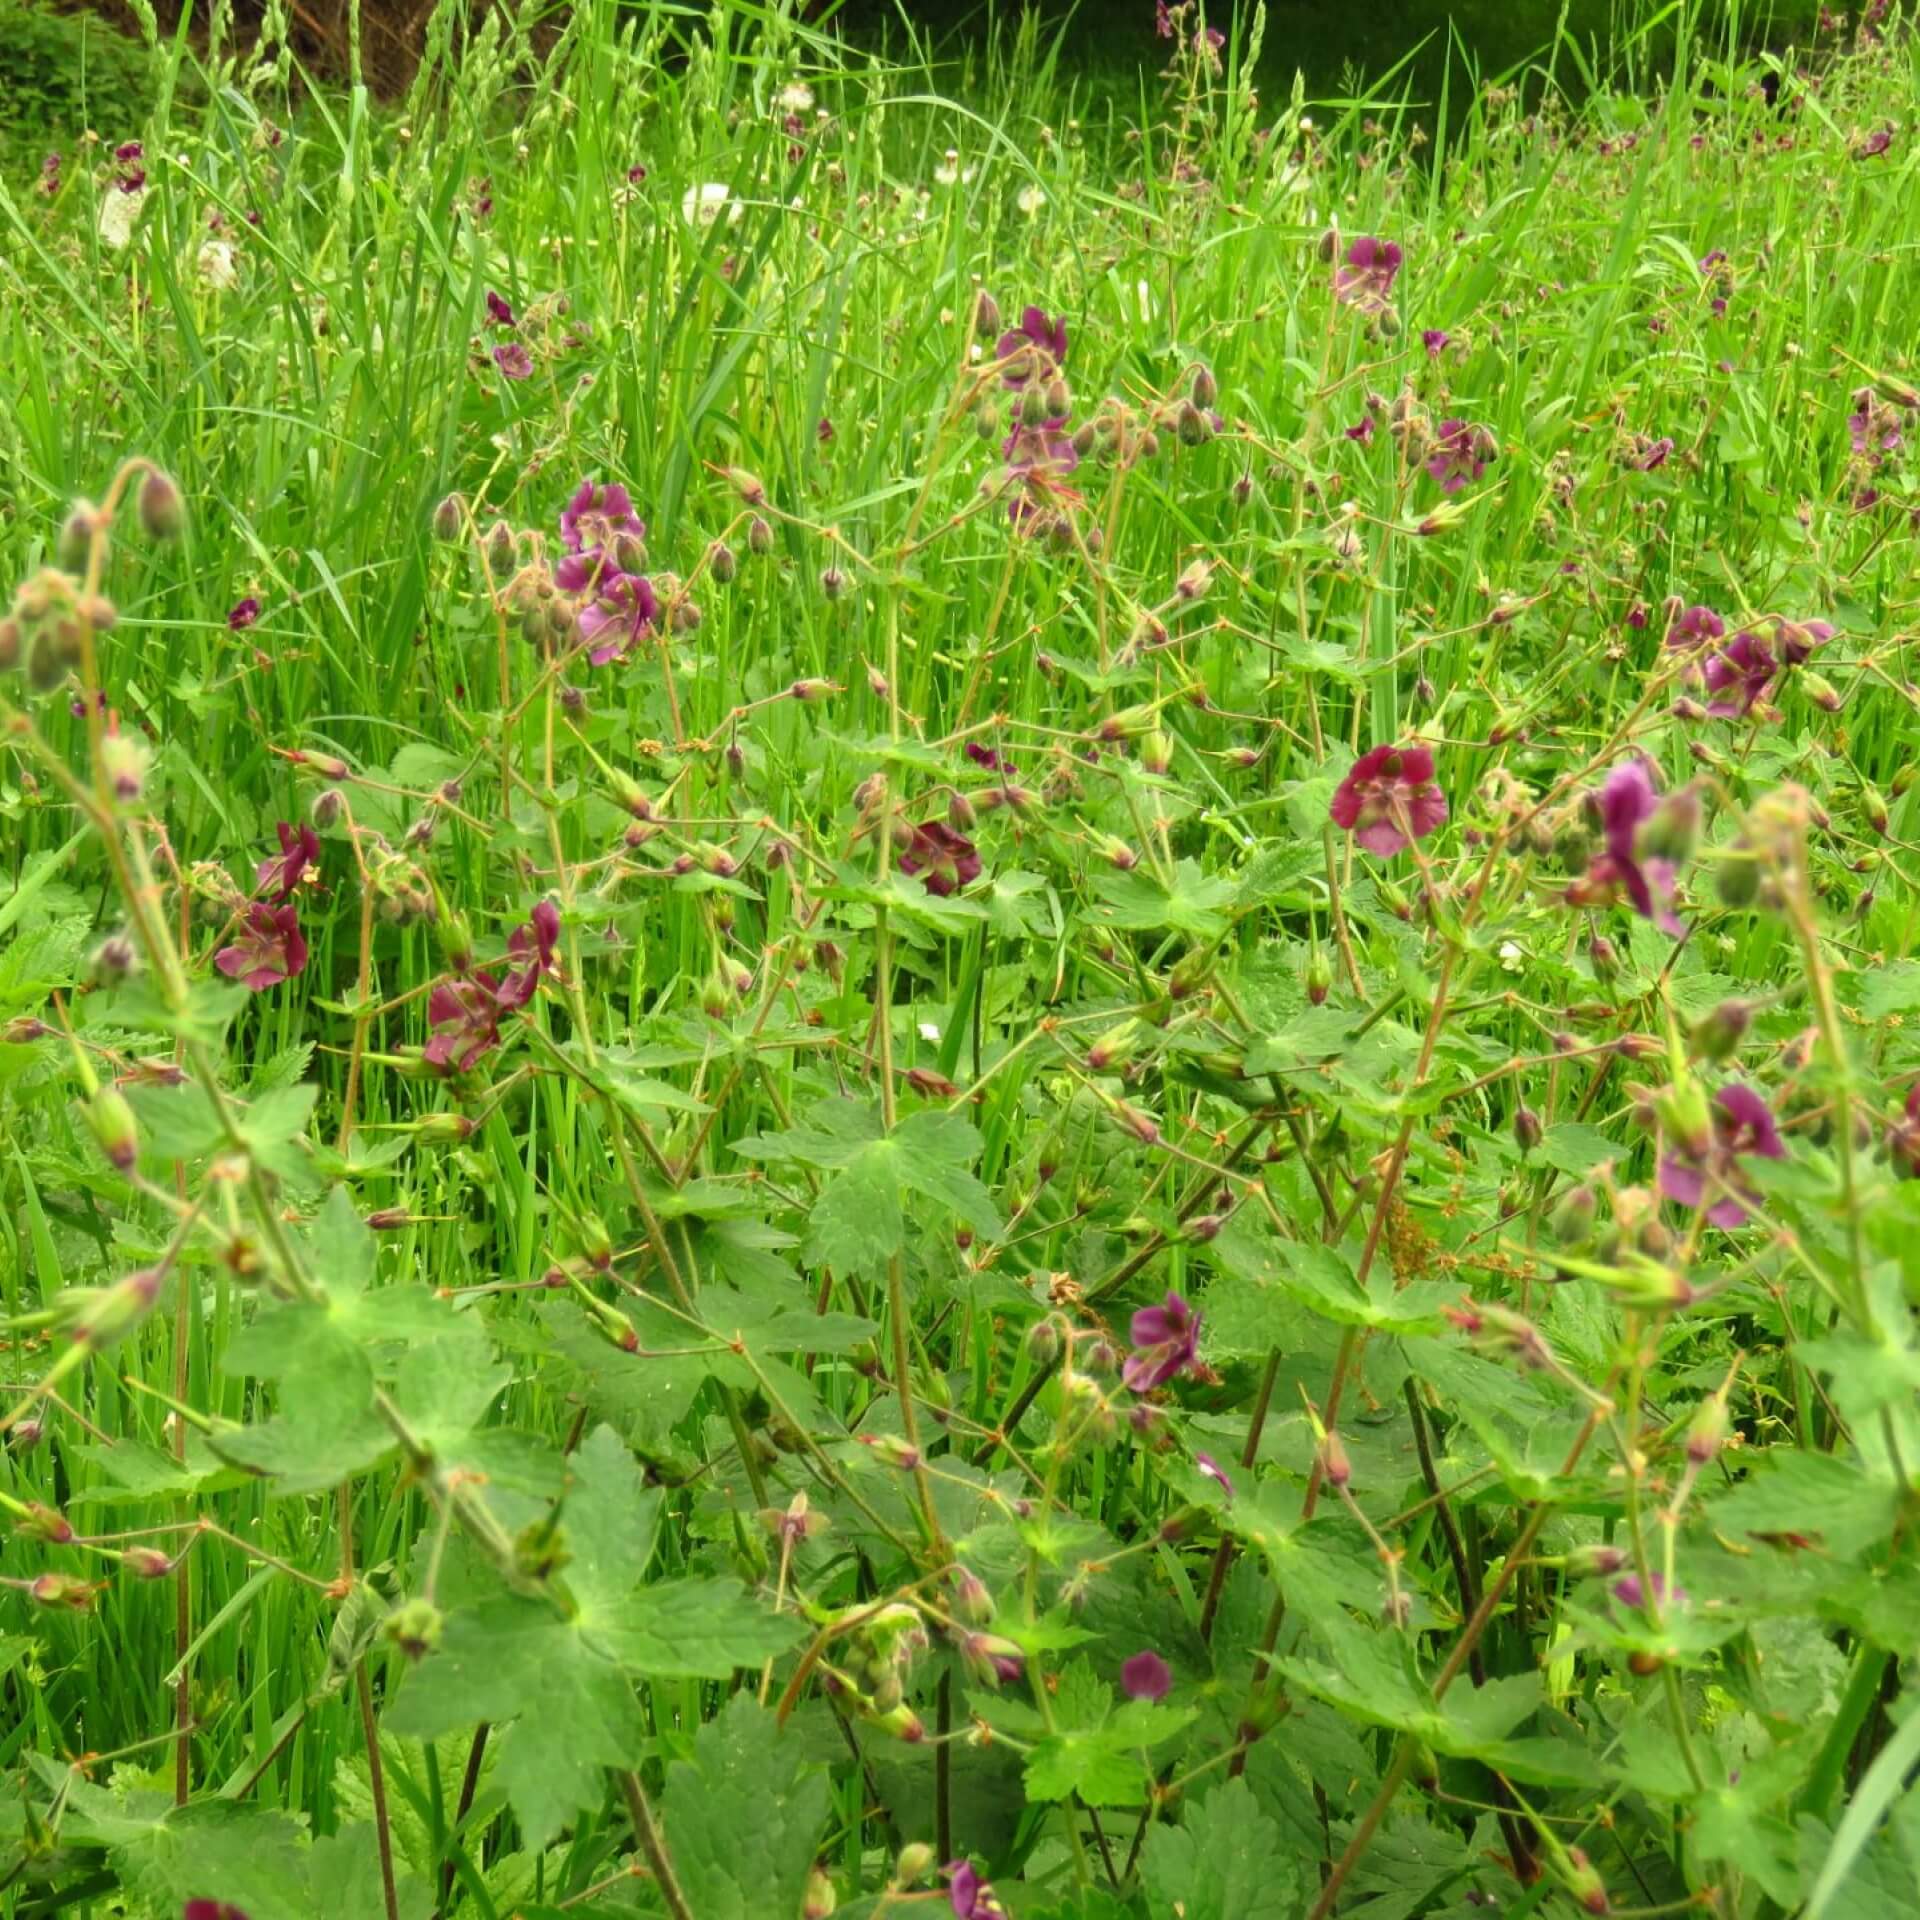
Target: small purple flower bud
point(162, 512)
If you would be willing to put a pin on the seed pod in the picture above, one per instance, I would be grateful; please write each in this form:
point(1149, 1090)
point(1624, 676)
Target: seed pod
point(748, 486)
point(110, 1120)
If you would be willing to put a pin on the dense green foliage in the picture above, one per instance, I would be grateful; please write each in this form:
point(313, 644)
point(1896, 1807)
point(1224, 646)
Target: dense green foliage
point(1131, 1126)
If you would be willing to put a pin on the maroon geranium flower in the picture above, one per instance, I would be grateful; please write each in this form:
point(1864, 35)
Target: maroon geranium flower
point(1434, 339)
point(1214, 1471)
point(513, 360)
point(1365, 279)
point(989, 757)
point(1034, 350)
point(1039, 459)
point(1363, 430)
point(1460, 454)
point(1631, 1591)
point(596, 515)
point(128, 151)
point(969, 1895)
point(1742, 1124)
point(268, 950)
point(499, 311)
point(1650, 455)
point(1627, 802)
point(465, 1014)
point(1694, 627)
point(1874, 427)
point(211, 1910)
point(623, 608)
point(1166, 1340)
point(944, 859)
point(1146, 1677)
point(243, 613)
point(1389, 799)
point(281, 873)
point(1875, 144)
point(1739, 674)
point(536, 946)
point(1163, 19)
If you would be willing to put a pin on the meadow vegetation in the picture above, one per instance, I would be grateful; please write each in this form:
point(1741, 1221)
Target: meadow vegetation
point(917, 1000)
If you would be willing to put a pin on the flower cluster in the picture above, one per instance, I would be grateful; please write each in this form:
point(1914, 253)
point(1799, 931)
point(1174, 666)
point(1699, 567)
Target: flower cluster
point(269, 948)
point(465, 1010)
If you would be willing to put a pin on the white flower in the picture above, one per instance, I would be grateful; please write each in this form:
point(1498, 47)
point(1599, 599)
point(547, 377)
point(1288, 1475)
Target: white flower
point(119, 214)
point(795, 97)
point(1030, 199)
point(214, 264)
point(701, 206)
point(1513, 956)
point(950, 172)
point(929, 1030)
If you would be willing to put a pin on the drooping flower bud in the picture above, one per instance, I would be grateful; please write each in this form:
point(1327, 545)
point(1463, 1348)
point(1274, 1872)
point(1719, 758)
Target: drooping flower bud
point(1717, 1034)
point(1526, 1128)
point(449, 517)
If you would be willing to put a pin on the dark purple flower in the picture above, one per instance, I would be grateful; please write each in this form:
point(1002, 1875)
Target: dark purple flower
point(1652, 454)
point(465, 1015)
point(1363, 430)
point(281, 873)
point(1165, 1341)
point(513, 360)
point(1209, 40)
point(1208, 1465)
point(1039, 459)
point(211, 1910)
point(989, 757)
point(823, 431)
point(1460, 454)
point(1389, 799)
point(969, 1895)
point(1366, 278)
point(243, 613)
point(596, 516)
point(623, 608)
point(1146, 1677)
point(1873, 426)
point(944, 860)
point(536, 946)
point(1162, 20)
point(1739, 674)
point(1875, 144)
point(1631, 1591)
point(1694, 627)
point(635, 174)
point(128, 151)
point(1034, 350)
point(1742, 1123)
point(1797, 640)
point(1626, 802)
point(269, 948)
point(499, 311)
point(1434, 339)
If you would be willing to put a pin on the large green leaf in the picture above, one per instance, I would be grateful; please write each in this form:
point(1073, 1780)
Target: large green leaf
point(1227, 1861)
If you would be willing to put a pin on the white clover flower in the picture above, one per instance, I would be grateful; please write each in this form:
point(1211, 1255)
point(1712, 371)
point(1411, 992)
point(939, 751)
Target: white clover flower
point(795, 97)
point(1513, 956)
point(1031, 198)
point(119, 215)
point(701, 206)
point(214, 264)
